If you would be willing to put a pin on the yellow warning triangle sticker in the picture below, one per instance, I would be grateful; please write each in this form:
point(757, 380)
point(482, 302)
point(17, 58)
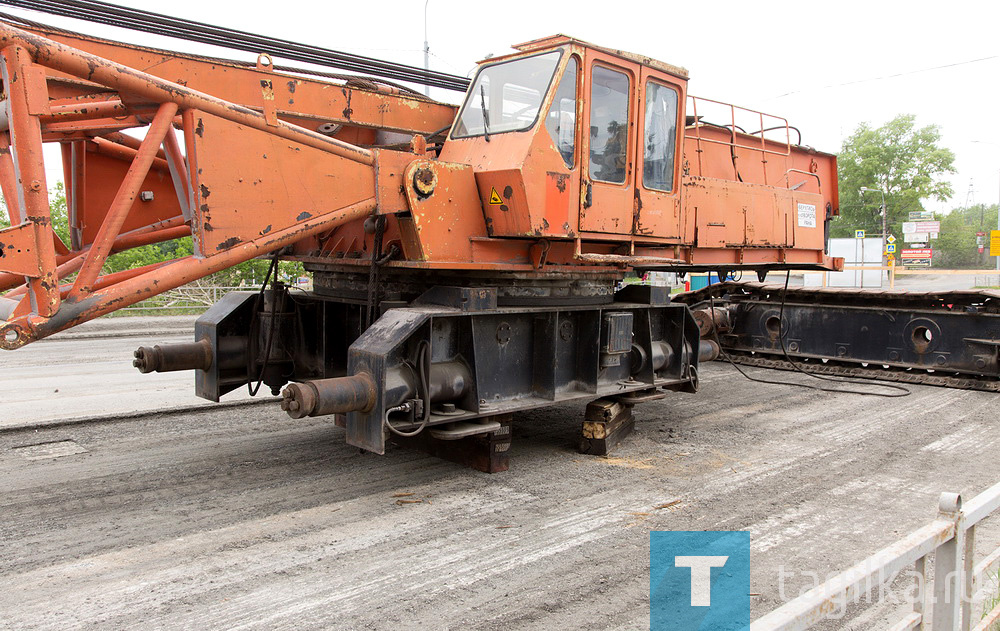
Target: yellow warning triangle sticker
point(495, 196)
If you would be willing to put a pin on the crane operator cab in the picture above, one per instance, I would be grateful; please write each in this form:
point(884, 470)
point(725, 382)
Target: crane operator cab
point(567, 138)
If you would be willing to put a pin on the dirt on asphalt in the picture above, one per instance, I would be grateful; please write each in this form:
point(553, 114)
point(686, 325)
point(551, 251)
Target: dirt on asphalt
point(242, 518)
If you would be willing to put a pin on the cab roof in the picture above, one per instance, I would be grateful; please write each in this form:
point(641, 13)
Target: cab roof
point(553, 41)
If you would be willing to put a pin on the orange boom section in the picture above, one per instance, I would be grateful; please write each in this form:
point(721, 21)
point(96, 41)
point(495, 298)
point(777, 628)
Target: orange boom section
point(264, 166)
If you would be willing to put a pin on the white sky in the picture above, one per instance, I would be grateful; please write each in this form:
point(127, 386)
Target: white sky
point(826, 67)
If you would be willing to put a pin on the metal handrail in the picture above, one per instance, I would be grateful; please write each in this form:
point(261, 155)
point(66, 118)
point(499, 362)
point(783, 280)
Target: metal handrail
point(950, 538)
point(732, 121)
point(819, 182)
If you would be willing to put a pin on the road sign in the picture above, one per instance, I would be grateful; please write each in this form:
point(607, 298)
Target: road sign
point(918, 253)
point(890, 248)
point(891, 239)
point(917, 257)
point(995, 243)
point(859, 234)
point(921, 226)
point(921, 215)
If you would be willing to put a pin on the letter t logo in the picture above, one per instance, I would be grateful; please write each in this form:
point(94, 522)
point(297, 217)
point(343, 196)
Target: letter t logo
point(701, 577)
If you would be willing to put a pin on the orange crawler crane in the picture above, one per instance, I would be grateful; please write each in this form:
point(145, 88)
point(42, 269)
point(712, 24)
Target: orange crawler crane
point(465, 261)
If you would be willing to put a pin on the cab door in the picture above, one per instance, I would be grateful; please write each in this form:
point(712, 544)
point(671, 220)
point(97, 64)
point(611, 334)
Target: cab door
point(657, 178)
point(608, 147)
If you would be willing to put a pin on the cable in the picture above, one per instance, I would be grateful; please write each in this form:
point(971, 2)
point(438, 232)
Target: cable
point(732, 145)
point(253, 390)
point(885, 77)
point(903, 391)
point(781, 127)
point(423, 377)
point(31, 24)
point(371, 305)
point(160, 24)
point(156, 23)
point(410, 92)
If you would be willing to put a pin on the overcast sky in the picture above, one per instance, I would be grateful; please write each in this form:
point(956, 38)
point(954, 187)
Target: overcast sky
point(826, 67)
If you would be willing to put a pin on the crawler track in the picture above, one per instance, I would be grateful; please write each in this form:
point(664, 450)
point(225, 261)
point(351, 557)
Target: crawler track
point(946, 338)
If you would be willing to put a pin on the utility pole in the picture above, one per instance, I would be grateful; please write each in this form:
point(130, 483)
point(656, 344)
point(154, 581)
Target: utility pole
point(885, 229)
point(998, 200)
point(427, 50)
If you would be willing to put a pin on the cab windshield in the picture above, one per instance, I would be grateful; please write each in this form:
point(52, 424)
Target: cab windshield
point(506, 96)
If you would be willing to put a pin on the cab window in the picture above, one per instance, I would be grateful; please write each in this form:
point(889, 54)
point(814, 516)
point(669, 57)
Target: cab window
point(659, 137)
point(608, 125)
point(561, 119)
point(506, 96)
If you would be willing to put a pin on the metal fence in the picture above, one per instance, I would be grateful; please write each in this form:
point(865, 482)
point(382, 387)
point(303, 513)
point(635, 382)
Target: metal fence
point(988, 280)
point(190, 298)
point(946, 605)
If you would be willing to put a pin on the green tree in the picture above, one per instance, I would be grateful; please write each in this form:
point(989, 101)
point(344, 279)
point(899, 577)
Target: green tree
point(956, 246)
point(59, 212)
point(904, 161)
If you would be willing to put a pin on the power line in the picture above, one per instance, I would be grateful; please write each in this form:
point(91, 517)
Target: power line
point(886, 77)
point(160, 24)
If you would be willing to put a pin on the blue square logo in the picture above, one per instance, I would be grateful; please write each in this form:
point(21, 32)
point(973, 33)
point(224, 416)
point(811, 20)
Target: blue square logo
point(699, 581)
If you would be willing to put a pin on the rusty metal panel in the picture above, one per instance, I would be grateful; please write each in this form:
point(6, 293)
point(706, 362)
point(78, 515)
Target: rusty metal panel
point(18, 253)
point(89, 194)
point(258, 182)
point(558, 202)
point(446, 220)
point(35, 90)
point(658, 215)
point(731, 213)
point(505, 203)
point(389, 184)
point(522, 162)
point(745, 159)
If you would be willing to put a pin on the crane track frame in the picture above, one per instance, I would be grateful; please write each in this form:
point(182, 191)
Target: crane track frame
point(944, 338)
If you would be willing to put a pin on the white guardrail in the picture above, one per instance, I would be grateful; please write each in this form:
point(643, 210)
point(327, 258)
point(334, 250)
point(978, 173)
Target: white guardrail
point(949, 539)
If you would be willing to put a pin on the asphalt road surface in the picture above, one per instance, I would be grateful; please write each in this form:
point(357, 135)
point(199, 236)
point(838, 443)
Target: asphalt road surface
point(88, 372)
point(240, 518)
